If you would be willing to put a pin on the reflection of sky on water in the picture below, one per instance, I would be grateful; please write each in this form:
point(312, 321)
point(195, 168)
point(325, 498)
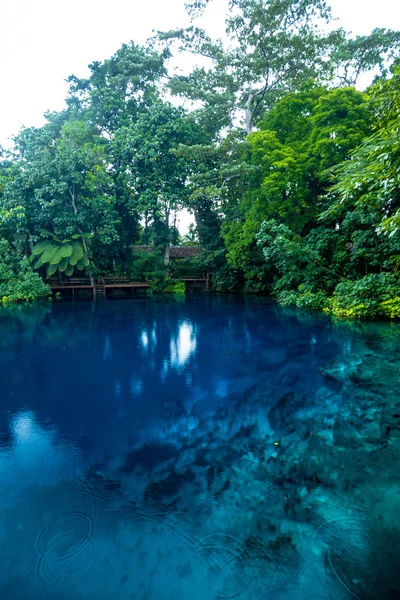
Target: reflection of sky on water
point(34, 455)
point(183, 345)
point(182, 348)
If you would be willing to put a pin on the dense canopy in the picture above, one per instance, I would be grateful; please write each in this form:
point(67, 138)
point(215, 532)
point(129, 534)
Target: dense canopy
point(291, 172)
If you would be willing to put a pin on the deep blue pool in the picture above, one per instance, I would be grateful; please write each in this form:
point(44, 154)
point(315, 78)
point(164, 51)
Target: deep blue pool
point(197, 448)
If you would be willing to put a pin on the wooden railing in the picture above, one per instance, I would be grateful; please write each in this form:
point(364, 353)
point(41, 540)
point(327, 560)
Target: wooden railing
point(114, 280)
point(73, 281)
point(100, 284)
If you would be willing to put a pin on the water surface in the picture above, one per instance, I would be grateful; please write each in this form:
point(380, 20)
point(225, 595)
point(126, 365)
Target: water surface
point(200, 448)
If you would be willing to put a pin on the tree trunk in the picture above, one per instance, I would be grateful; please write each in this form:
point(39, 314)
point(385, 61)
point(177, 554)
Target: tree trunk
point(174, 240)
point(166, 253)
point(167, 243)
point(72, 194)
point(248, 115)
point(196, 215)
point(146, 227)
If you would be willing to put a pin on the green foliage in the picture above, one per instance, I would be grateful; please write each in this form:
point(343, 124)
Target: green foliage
point(304, 135)
point(390, 308)
point(64, 256)
point(114, 169)
point(158, 170)
point(186, 267)
point(365, 53)
point(18, 282)
point(372, 296)
point(173, 286)
point(147, 266)
point(297, 263)
point(309, 273)
point(371, 178)
point(310, 300)
point(270, 48)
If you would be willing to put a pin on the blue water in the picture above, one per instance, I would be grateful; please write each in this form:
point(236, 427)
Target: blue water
point(203, 448)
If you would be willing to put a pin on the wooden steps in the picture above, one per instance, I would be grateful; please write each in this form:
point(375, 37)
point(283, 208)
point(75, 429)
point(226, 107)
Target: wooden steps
point(99, 290)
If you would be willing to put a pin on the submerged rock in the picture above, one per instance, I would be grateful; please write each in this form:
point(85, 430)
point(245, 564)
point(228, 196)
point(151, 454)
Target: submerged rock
point(148, 456)
point(281, 416)
point(165, 489)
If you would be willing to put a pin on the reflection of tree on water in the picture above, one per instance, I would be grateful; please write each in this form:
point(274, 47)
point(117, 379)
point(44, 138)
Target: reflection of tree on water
point(18, 321)
point(41, 323)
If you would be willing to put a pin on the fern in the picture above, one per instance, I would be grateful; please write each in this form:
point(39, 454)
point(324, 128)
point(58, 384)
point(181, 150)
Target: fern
point(64, 256)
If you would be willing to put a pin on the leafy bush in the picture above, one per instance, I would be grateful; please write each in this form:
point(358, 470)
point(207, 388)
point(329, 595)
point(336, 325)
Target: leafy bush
point(225, 280)
point(298, 264)
point(391, 308)
point(255, 279)
point(375, 295)
point(18, 281)
point(148, 266)
point(175, 287)
point(372, 296)
point(307, 299)
point(186, 267)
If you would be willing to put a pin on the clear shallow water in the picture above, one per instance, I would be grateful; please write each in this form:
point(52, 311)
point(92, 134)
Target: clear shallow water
point(202, 448)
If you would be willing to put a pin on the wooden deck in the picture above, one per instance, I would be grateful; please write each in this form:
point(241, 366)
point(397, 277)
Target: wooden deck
point(100, 286)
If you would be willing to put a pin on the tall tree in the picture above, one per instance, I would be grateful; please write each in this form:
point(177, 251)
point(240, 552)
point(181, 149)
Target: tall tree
point(65, 183)
point(300, 139)
point(371, 179)
point(119, 88)
point(270, 48)
point(159, 174)
point(118, 92)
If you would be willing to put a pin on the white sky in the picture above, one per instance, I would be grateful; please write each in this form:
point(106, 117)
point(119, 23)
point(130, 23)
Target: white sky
point(44, 41)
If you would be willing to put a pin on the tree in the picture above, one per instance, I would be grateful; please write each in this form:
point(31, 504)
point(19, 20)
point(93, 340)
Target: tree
point(159, 174)
point(271, 48)
point(116, 95)
point(66, 186)
point(365, 53)
point(370, 179)
point(119, 88)
point(300, 139)
point(12, 209)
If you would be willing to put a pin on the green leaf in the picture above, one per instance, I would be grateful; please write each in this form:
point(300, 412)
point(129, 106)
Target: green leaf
point(38, 263)
point(57, 257)
point(82, 263)
point(41, 247)
point(69, 271)
point(67, 250)
point(49, 253)
point(51, 269)
point(76, 255)
point(63, 265)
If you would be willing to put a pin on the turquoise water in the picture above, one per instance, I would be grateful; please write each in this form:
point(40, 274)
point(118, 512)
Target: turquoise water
point(200, 448)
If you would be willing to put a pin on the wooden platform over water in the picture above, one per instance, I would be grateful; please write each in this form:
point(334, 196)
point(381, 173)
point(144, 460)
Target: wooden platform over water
point(99, 287)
